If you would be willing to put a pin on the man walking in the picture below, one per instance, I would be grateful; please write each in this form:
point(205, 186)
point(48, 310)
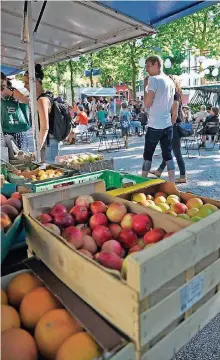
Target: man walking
point(159, 100)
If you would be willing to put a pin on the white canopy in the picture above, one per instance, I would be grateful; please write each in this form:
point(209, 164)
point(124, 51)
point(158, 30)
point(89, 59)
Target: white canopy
point(66, 29)
point(98, 91)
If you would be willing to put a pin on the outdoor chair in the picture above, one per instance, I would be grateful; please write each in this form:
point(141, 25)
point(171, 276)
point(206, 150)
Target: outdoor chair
point(212, 129)
point(108, 138)
point(193, 143)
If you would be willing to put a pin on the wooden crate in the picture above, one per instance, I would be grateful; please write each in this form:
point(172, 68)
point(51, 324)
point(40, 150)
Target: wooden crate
point(114, 346)
point(170, 287)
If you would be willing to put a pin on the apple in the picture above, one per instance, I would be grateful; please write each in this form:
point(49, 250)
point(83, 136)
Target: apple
point(53, 228)
point(127, 220)
point(138, 197)
point(110, 260)
point(170, 212)
point(101, 234)
point(195, 218)
point(173, 196)
point(172, 201)
point(194, 203)
point(115, 230)
point(89, 244)
point(211, 207)
point(192, 212)
point(58, 209)
point(5, 221)
point(45, 218)
point(84, 200)
point(128, 238)
point(160, 199)
point(168, 235)
point(86, 253)
point(155, 207)
point(141, 224)
point(112, 246)
point(204, 212)
point(179, 208)
point(164, 207)
point(98, 207)
point(154, 236)
point(80, 213)
point(98, 219)
point(146, 203)
point(63, 220)
point(84, 228)
point(116, 212)
point(16, 195)
point(160, 193)
point(149, 197)
point(73, 236)
point(135, 248)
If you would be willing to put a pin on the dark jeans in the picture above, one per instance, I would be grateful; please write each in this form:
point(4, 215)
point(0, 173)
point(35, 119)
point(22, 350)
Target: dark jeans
point(176, 145)
point(153, 137)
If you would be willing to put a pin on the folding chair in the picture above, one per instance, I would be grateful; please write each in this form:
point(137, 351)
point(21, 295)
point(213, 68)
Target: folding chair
point(212, 129)
point(105, 143)
point(193, 142)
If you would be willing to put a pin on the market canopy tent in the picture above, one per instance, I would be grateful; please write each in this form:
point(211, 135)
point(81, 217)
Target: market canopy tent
point(66, 29)
point(98, 91)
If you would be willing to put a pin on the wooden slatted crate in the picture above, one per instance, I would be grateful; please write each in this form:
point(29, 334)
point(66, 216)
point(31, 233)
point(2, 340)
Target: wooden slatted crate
point(171, 289)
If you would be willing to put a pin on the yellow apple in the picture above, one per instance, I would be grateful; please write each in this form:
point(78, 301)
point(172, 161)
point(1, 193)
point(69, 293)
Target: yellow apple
point(138, 197)
point(192, 212)
point(164, 207)
point(194, 203)
point(159, 200)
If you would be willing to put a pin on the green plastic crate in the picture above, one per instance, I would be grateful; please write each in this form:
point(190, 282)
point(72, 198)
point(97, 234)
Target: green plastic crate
point(113, 180)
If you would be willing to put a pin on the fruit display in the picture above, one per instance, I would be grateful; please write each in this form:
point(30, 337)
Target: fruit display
point(193, 210)
point(104, 233)
point(39, 174)
point(77, 159)
point(34, 323)
point(10, 209)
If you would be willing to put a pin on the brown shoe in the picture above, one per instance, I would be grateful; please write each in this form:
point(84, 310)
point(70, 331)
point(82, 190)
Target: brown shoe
point(157, 173)
point(181, 180)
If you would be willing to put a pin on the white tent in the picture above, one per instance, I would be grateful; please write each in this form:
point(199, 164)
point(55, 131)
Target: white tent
point(98, 91)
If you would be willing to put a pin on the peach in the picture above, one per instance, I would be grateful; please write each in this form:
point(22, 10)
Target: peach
point(116, 212)
point(16, 203)
point(192, 212)
point(3, 199)
point(10, 211)
point(194, 203)
point(5, 221)
point(127, 220)
point(18, 344)
point(112, 246)
point(110, 260)
point(179, 208)
point(154, 236)
point(138, 197)
point(115, 230)
point(89, 244)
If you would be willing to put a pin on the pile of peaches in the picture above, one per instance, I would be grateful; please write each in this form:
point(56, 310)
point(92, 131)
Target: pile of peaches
point(194, 209)
point(10, 209)
point(105, 233)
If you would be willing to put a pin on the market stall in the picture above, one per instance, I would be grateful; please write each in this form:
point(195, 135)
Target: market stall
point(132, 255)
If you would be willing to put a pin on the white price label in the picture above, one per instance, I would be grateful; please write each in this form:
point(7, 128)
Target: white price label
point(191, 293)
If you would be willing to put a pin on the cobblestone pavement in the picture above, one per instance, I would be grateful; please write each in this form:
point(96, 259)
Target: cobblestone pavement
point(203, 178)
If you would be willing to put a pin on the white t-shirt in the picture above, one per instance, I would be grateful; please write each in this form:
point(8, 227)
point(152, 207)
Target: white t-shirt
point(200, 116)
point(160, 110)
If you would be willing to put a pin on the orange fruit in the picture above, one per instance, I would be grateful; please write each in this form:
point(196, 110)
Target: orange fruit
point(78, 347)
point(20, 285)
point(18, 344)
point(9, 318)
point(53, 329)
point(35, 304)
point(4, 298)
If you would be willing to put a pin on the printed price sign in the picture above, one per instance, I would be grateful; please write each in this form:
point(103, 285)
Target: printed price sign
point(191, 293)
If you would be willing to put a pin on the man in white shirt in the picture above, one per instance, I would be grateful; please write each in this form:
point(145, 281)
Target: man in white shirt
point(159, 99)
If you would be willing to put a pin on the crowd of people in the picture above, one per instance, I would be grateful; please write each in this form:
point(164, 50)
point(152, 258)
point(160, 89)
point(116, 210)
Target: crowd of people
point(159, 113)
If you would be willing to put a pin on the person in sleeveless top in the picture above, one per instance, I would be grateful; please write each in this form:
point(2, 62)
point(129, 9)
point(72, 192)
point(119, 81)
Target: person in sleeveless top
point(48, 144)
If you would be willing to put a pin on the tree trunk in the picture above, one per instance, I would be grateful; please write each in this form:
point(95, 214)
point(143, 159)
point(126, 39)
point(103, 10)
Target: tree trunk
point(134, 68)
point(91, 71)
point(71, 81)
point(58, 78)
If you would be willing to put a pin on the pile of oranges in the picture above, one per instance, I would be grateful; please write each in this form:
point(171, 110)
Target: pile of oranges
point(34, 322)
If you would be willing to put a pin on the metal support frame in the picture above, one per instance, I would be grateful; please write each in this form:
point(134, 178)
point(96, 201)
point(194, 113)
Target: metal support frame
point(32, 81)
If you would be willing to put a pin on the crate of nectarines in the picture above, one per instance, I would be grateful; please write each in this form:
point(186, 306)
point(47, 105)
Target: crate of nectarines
point(41, 319)
point(145, 271)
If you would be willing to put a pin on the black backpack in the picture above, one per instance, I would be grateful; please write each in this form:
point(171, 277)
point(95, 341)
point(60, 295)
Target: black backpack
point(59, 118)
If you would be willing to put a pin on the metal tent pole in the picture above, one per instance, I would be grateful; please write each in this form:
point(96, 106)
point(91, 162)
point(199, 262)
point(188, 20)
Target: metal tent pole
point(32, 81)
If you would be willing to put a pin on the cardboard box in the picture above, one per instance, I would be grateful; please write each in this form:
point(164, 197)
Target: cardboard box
point(169, 287)
point(108, 338)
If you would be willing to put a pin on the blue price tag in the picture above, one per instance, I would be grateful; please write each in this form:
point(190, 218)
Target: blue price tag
point(191, 293)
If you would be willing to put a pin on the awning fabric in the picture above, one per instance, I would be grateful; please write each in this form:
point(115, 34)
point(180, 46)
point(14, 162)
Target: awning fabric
point(69, 29)
point(7, 70)
point(98, 91)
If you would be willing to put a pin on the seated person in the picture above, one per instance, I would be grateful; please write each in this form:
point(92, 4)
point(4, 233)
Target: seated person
point(210, 125)
point(200, 115)
point(82, 124)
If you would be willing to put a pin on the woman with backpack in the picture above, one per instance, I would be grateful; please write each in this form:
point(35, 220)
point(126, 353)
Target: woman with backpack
point(125, 121)
point(48, 144)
